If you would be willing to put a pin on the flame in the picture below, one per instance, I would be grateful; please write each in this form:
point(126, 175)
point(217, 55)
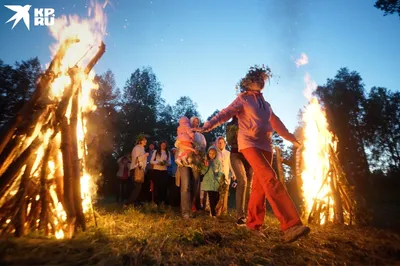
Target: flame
point(89, 32)
point(316, 155)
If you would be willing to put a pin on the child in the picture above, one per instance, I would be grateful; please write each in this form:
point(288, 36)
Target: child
point(213, 176)
point(256, 122)
point(184, 142)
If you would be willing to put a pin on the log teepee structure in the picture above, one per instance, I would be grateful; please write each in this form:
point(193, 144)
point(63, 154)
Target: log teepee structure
point(42, 154)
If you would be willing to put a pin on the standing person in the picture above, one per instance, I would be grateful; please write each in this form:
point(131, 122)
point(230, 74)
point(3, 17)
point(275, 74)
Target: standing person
point(173, 190)
point(242, 171)
point(256, 124)
point(189, 176)
point(201, 145)
point(213, 177)
point(223, 156)
point(139, 159)
point(151, 149)
point(146, 193)
point(122, 178)
point(160, 160)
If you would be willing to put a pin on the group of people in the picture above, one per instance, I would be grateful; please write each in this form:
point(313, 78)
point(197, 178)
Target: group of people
point(204, 177)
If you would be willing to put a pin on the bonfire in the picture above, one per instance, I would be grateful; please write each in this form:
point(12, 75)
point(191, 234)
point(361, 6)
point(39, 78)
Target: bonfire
point(327, 194)
point(44, 181)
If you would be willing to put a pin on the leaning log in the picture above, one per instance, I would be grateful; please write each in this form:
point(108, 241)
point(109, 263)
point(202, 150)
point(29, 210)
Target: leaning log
point(76, 162)
point(41, 90)
point(22, 212)
point(67, 167)
point(7, 179)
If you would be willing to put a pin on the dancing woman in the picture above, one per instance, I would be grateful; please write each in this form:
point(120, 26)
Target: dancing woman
point(257, 121)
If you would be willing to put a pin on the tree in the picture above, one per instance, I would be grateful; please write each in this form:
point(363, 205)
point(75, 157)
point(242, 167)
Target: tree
point(343, 98)
point(140, 105)
point(102, 123)
point(166, 125)
point(388, 6)
point(16, 86)
point(184, 106)
point(382, 120)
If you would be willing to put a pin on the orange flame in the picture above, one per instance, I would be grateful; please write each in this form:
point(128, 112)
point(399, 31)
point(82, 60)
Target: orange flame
point(317, 140)
point(90, 32)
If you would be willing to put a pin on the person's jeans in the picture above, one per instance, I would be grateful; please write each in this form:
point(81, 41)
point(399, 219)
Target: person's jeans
point(243, 173)
point(190, 186)
point(267, 185)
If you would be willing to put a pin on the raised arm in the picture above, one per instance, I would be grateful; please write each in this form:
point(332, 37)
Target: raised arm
point(224, 115)
point(281, 129)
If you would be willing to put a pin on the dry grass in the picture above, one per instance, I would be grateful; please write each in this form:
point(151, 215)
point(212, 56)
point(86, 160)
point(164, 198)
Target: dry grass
point(151, 236)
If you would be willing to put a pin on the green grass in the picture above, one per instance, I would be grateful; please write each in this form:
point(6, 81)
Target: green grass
point(151, 236)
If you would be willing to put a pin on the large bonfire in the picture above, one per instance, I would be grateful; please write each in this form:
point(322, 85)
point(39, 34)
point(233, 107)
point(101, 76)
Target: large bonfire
point(327, 194)
point(44, 181)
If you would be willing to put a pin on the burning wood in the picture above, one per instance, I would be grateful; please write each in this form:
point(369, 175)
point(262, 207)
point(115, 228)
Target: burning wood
point(33, 149)
point(328, 195)
point(44, 183)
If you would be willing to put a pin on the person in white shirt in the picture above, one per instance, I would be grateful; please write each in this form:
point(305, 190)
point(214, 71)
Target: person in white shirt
point(224, 158)
point(139, 159)
point(160, 160)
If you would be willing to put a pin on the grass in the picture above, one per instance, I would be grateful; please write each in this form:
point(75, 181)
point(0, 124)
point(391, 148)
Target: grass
point(151, 236)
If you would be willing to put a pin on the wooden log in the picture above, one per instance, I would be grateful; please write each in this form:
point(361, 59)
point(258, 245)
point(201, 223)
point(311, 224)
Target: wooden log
point(24, 138)
point(67, 166)
point(338, 208)
point(41, 90)
point(279, 166)
point(22, 212)
point(76, 162)
point(59, 178)
point(44, 194)
point(99, 54)
point(12, 171)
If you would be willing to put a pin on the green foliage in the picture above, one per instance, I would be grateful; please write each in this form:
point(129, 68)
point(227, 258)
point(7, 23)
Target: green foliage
point(382, 120)
point(343, 98)
point(140, 104)
point(17, 83)
point(388, 6)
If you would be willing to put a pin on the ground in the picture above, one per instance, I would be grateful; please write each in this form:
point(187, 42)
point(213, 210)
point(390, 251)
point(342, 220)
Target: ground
point(150, 236)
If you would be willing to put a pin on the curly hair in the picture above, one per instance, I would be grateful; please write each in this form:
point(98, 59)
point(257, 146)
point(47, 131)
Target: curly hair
point(256, 74)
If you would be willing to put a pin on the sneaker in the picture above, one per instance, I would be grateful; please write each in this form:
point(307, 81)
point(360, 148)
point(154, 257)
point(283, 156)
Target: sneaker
point(186, 216)
point(241, 221)
point(295, 232)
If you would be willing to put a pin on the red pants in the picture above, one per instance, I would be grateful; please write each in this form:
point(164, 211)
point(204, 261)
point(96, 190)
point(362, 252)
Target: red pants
point(266, 185)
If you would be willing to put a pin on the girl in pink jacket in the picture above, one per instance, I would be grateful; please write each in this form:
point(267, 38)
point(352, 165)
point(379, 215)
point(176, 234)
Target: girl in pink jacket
point(257, 122)
point(184, 142)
